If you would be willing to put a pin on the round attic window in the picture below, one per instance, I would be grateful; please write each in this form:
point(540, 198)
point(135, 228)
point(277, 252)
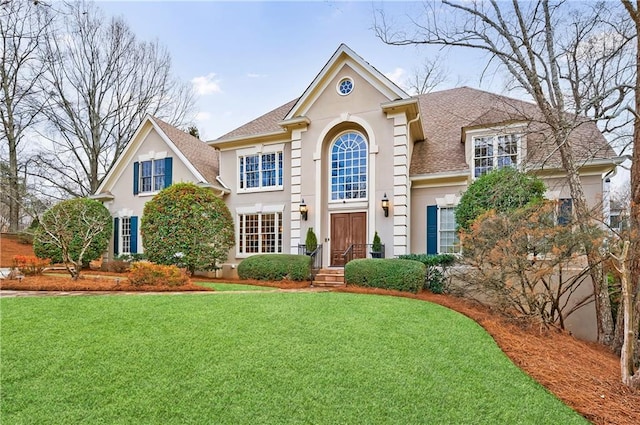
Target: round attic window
point(345, 86)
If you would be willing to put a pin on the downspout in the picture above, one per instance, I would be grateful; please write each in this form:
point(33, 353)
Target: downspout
point(411, 122)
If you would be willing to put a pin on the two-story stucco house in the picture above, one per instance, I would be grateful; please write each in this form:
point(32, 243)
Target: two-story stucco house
point(350, 143)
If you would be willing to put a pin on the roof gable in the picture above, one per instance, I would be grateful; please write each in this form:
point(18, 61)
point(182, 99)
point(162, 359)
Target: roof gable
point(200, 155)
point(448, 114)
point(344, 55)
point(201, 160)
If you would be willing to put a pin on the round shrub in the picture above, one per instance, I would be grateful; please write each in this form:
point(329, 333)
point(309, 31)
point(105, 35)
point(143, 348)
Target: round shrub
point(187, 226)
point(275, 267)
point(386, 273)
point(503, 190)
point(71, 226)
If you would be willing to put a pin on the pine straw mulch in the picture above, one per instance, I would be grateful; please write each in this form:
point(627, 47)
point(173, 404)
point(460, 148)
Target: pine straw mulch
point(90, 281)
point(586, 376)
point(10, 246)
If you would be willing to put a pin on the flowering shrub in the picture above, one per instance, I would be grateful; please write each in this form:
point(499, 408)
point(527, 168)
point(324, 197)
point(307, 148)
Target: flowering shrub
point(30, 265)
point(144, 273)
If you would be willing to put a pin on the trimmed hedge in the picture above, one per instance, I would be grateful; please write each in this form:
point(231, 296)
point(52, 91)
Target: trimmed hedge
point(275, 267)
point(386, 273)
point(436, 266)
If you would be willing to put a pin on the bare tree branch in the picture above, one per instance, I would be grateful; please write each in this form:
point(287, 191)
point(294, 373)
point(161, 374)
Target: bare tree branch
point(22, 31)
point(100, 83)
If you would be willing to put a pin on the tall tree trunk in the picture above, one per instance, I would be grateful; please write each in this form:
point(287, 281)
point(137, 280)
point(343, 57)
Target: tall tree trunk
point(630, 376)
point(634, 218)
point(604, 316)
point(14, 185)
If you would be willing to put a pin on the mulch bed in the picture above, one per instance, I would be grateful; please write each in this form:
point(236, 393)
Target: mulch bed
point(586, 376)
point(90, 283)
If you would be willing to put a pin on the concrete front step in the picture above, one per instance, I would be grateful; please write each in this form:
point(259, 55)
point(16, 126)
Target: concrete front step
point(329, 277)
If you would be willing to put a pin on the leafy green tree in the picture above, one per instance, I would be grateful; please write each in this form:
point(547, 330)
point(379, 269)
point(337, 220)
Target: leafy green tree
point(501, 190)
point(188, 226)
point(73, 232)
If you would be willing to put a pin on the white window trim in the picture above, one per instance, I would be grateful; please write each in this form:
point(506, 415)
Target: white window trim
point(516, 129)
point(152, 155)
point(152, 192)
point(357, 202)
point(122, 214)
point(121, 236)
point(259, 150)
point(343, 78)
point(495, 138)
point(448, 201)
point(257, 209)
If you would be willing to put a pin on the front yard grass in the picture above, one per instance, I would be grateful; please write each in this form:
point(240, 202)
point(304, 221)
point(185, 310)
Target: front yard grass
point(268, 358)
point(232, 287)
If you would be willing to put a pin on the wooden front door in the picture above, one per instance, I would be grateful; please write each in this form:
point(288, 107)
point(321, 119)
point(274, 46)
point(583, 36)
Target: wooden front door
point(348, 229)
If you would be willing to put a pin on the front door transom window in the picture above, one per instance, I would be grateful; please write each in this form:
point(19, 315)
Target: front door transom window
point(349, 167)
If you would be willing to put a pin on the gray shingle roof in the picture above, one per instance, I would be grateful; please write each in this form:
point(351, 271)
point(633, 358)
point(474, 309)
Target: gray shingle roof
point(445, 114)
point(267, 123)
point(202, 156)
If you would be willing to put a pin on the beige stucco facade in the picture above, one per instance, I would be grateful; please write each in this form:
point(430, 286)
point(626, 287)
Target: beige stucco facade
point(266, 169)
point(320, 117)
point(117, 192)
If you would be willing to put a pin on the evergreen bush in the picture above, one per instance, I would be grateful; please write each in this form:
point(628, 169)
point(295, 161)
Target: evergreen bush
point(311, 242)
point(386, 273)
point(188, 226)
point(502, 190)
point(435, 269)
point(275, 267)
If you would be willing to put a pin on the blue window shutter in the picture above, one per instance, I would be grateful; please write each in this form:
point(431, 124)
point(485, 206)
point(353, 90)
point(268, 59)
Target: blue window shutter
point(565, 211)
point(168, 171)
point(116, 235)
point(136, 177)
point(432, 229)
point(134, 234)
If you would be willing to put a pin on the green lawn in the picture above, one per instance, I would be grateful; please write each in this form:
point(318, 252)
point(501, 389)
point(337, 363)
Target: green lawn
point(226, 287)
point(262, 358)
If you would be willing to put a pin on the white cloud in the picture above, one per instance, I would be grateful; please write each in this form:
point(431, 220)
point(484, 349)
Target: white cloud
point(206, 84)
point(203, 116)
point(255, 75)
point(398, 76)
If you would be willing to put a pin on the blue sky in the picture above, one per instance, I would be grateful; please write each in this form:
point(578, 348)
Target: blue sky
point(246, 58)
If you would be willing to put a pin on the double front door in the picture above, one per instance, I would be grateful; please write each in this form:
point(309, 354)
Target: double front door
point(348, 229)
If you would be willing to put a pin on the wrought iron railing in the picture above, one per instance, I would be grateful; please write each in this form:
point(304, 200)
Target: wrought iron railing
point(362, 250)
point(316, 258)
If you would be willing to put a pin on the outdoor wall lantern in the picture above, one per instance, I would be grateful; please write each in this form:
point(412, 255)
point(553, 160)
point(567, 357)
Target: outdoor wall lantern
point(303, 210)
point(385, 205)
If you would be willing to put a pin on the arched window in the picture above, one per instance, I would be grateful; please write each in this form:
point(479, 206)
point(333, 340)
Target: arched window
point(349, 167)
